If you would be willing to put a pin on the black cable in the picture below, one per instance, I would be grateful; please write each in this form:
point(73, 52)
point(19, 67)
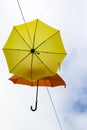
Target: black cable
point(24, 21)
point(54, 110)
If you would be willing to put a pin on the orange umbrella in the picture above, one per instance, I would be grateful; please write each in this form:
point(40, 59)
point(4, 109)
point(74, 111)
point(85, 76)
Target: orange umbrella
point(51, 81)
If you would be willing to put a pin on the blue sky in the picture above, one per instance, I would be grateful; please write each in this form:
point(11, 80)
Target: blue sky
point(70, 17)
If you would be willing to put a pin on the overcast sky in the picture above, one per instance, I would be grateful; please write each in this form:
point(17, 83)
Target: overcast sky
point(70, 17)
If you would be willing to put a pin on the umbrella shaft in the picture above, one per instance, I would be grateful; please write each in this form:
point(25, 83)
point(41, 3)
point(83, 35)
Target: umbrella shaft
point(34, 109)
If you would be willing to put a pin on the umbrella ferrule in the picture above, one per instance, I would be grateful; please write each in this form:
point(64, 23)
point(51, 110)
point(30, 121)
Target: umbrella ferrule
point(32, 50)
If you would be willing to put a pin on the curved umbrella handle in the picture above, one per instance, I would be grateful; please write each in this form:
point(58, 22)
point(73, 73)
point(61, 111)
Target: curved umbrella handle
point(34, 109)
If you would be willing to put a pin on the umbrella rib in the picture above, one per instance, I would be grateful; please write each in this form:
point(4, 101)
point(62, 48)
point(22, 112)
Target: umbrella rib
point(15, 49)
point(46, 39)
point(51, 83)
point(22, 37)
point(19, 63)
point(50, 52)
point(31, 67)
point(35, 33)
point(45, 65)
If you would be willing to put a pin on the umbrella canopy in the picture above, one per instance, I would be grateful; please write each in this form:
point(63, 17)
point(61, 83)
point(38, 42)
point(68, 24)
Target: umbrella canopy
point(51, 81)
point(34, 50)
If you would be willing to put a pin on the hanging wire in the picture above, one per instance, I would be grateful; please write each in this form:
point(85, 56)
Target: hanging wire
point(54, 110)
point(24, 22)
point(21, 11)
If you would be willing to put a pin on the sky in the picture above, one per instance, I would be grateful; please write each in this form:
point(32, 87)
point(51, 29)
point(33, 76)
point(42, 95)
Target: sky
point(70, 17)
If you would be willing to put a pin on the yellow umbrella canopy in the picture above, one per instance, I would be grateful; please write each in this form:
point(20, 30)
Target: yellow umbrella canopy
point(34, 50)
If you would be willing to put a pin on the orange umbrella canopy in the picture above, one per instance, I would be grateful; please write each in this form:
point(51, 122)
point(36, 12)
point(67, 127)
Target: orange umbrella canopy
point(51, 81)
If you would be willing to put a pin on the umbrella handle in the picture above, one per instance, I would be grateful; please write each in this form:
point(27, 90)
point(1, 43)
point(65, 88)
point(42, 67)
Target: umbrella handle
point(34, 109)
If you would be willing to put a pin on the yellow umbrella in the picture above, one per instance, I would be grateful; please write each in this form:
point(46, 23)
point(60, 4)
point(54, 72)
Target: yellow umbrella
point(34, 50)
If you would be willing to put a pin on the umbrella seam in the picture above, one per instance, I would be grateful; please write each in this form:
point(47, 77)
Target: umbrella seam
point(19, 63)
point(46, 40)
point(44, 64)
point(51, 52)
point(35, 33)
point(51, 83)
point(31, 67)
point(21, 37)
point(15, 49)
